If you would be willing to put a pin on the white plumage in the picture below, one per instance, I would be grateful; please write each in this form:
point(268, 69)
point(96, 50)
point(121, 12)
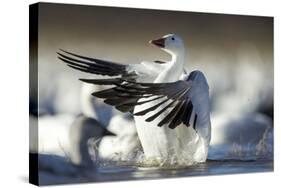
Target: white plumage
point(183, 144)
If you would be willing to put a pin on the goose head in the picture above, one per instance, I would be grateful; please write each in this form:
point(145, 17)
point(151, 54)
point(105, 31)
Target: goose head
point(170, 43)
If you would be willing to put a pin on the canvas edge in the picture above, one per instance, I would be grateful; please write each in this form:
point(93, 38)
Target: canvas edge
point(33, 84)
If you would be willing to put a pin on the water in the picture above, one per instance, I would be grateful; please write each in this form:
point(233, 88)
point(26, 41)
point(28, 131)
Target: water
point(211, 167)
point(124, 172)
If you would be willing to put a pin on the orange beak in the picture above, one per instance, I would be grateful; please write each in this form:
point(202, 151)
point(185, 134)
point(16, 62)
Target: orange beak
point(158, 42)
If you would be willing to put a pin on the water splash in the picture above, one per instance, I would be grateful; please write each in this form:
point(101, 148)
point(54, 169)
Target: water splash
point(135, 158)
point(262, 150)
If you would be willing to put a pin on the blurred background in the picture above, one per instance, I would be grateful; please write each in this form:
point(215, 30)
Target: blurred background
point(234, 52)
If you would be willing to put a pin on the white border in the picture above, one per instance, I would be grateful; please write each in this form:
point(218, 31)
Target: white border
point(14, 94)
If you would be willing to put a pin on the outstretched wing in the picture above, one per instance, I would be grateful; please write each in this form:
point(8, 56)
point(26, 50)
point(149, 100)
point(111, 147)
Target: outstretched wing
point(133, 72)
point(145, 71)
point(175, 99)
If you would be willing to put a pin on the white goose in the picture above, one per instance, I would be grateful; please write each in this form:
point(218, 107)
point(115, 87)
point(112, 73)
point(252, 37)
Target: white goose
point(170, 107)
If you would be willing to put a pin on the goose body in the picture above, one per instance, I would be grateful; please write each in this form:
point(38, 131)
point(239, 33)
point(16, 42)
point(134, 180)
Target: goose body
point(183, 145)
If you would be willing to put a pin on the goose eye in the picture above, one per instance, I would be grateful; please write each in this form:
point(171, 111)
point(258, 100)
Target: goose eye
point(173, 38)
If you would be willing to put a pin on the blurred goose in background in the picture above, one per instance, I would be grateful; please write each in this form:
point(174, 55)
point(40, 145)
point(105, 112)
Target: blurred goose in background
point(82, 131)
point(64, 153)
point(67, 136)
point(170, 106)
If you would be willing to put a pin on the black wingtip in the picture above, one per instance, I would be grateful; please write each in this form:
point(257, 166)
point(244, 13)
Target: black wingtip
point(110, 81)
point(73, 54)
point(59, 53)
point(108, 133)
point(159, 62)
point(63, 50)
point(62, 59)
point(172, 126)
point(90, 81)
point(84, 80)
